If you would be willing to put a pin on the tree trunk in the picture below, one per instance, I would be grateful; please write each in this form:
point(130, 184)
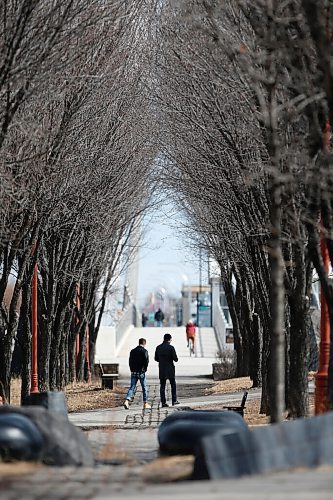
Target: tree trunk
point(298, 400)
point(55, 347)
point(256, 352)
point(277, 346)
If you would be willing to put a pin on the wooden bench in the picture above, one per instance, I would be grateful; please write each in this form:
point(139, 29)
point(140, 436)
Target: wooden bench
point(239, 409)
point(109, 373)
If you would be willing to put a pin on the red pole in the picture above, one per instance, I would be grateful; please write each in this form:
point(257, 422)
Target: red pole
point(34, 351)
point(321, 403)
point(321, 400)
point(77, 338)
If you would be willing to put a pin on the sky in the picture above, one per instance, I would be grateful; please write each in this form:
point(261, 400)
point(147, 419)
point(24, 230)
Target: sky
point(165, 260)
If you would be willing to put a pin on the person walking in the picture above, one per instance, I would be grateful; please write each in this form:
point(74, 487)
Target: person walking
point(159, 317)
point(144, 319)
point(138, 363)
point(165, 355)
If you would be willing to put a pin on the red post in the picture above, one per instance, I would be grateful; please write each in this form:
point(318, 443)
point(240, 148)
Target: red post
point(34, 350)
point(321, 404)
point(321, 400)
point(77, 338)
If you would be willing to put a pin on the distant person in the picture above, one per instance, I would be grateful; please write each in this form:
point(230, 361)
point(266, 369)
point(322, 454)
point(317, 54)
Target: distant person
point(190, 333)
point(144, 319)
point(138, 363)
point(165, 355)
point(159, 317)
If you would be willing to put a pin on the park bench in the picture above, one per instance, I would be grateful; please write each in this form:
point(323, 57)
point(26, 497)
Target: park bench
point(239, 409)
point(109, 373)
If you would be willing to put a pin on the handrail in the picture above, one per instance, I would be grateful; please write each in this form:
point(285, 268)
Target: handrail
point(219, 326)
point(124, 323)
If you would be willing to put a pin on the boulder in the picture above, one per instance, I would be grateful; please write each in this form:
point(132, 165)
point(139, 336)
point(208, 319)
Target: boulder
point(20, 438)
point(205, 416)
point(181, 432)
point(63, 443)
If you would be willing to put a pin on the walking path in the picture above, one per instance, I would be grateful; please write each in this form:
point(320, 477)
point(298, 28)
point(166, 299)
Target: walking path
point(136, 417)
point(125, 442)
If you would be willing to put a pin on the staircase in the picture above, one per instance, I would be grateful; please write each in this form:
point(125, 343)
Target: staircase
point(198, 365)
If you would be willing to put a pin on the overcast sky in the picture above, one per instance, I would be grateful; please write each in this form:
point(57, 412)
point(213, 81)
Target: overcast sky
point(164, 260)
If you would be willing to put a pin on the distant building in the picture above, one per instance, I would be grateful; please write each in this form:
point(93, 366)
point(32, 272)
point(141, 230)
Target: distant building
point(197, 304)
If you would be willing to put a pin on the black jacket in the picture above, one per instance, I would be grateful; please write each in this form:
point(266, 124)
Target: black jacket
point(165, 355)
point(159, 316)
point(138, 359)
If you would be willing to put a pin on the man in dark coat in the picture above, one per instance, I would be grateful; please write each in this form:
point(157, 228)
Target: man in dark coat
point(165, 355)
point(159, 317)
point(138, 363)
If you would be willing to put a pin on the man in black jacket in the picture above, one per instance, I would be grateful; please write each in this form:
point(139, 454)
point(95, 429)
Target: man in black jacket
point(138, 363)
point(165, 355)
point(159, 317)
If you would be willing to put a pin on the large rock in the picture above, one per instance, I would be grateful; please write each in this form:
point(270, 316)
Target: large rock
point(20, 438)
point(300, 443)
point(204, 416)
point(181, 432)
point(63, 443)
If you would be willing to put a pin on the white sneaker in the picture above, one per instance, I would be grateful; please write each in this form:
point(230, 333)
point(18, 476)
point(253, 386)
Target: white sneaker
point(126, 404)
point(146, 406)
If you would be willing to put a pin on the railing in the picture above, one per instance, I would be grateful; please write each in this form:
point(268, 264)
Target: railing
point(219, 325)
point(127, 320)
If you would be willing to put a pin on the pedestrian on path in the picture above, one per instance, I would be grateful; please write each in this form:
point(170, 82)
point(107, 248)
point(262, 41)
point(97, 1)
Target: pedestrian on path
point(138, 363)
point(159, 317)
point(144, 319)
point(165, 355)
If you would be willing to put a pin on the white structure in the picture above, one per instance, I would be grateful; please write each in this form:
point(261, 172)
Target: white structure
point(220, 316)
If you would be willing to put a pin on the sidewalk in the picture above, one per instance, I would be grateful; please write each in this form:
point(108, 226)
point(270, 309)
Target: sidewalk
point(136, 417)
point(126, 440)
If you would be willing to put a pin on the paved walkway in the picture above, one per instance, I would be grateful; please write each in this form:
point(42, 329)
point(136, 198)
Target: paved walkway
point(125, 441)
point(136, 417)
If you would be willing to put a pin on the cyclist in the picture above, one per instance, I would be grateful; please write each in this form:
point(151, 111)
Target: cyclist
point(190, 333)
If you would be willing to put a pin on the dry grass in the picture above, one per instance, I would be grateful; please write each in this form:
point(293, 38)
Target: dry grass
point(252, 411)
point(8, 469)
point(230, 385)
point(168, 469)
point(81, 396)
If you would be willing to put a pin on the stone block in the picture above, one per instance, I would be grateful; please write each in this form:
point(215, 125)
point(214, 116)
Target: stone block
point(299, 443)
point(63, 443)
point(54, 401)
point(181, 432)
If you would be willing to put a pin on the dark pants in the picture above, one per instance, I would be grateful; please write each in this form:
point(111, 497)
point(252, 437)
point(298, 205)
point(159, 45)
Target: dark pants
point(173, 389)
